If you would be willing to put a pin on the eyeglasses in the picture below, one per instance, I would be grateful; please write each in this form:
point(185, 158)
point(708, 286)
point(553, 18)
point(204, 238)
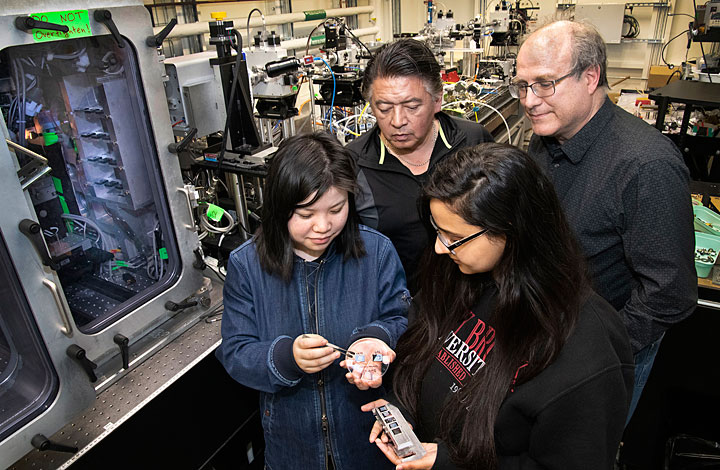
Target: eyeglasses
point(542, 89)
point(454, 246)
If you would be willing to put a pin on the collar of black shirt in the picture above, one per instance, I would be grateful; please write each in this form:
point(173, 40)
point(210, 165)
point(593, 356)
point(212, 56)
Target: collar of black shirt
point(578, 145)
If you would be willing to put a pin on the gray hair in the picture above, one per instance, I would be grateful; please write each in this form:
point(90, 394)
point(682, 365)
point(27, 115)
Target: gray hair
point(404, 58)
point(588, 48)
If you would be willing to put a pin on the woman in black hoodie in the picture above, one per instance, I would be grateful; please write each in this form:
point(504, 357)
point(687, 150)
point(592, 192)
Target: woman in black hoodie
point(512, 362)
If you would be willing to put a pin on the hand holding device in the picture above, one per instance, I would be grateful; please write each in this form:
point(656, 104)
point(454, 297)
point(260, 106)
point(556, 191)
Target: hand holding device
point(312, 354)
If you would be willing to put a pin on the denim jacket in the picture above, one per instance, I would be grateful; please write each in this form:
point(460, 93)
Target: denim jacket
point(263, 315)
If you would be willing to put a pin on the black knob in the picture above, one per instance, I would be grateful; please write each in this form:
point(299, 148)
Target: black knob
point(28, 23)
point(105, 17)
point(78, 354)
point(123, 342)
point(32, 231)
point(157, 40)
point(42, 443)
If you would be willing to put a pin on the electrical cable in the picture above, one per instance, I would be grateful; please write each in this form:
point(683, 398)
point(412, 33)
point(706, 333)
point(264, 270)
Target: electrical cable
point(702, 49)
point(208, 227)
point(345, 129)
point(217, 309)
point(249, 39)
point(102, 238)
point(662, 51)
point(322, 23)
point(103, 242)
point(671, 76)
point(684, 14)
point(634, 27)
point(356, 39)
point(507, 127)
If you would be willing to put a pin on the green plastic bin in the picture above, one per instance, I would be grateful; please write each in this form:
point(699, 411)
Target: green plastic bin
point(704, 216)
point(705, 241)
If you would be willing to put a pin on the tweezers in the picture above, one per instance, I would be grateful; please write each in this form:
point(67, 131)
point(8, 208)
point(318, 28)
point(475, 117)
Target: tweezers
point(341, 350)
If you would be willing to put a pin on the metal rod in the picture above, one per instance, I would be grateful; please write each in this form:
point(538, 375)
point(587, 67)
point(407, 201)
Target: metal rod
point(35, 177)
point(27, 152)
point(237, 188)
point(312, 102)
point(288, 128)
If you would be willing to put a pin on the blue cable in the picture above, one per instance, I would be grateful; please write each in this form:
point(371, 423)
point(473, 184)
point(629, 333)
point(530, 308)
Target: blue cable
point(332, 102)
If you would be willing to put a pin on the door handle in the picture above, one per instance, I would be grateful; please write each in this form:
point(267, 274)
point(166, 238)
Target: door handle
point(66, 329)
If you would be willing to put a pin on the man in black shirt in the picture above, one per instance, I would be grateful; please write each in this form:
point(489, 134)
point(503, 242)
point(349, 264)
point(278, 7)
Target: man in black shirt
point(624, 185)
point(404, 88)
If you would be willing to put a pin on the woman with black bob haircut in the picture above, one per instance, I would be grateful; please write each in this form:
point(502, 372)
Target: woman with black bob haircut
point(310, 165)
point(513, 361)
point(309, 277)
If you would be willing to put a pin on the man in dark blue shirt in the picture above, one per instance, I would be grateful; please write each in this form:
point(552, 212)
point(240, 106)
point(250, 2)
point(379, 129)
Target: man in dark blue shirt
point(624, 185)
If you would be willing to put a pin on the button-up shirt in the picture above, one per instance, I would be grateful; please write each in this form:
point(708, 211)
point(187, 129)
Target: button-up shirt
point(625, 190)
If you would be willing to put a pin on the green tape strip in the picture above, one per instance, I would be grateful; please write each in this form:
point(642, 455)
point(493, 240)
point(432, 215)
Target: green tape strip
point(121, 264)
point(311, 15)
point(50, 138)
point(315, 40)
point(163, 253)
point(77, 21)
point(214, 212)
point(64, 205)
point(58, 185)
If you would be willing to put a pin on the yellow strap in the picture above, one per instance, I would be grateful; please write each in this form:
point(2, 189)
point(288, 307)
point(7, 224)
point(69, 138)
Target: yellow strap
point(382, 152)
point(442, 136)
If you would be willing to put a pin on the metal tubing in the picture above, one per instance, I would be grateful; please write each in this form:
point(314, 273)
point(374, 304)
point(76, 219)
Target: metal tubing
point(192, 29)
point(236, 184)
point(302, 42)
point(288, 127)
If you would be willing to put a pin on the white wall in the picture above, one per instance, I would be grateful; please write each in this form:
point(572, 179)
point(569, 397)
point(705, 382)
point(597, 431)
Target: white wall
point(624, 60)
point(627, 59)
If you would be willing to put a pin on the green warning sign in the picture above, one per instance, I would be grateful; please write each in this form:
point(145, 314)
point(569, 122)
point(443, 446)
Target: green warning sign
point(214, 212)
point(77, 21)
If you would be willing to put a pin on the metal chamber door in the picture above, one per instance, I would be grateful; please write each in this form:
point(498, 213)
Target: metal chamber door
point(40, 387)
point(102, 213)
point(113, 237)
point(28, 381)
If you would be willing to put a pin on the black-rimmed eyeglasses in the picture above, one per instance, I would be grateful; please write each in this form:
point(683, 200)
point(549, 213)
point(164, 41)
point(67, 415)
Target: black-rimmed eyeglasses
point(454, 246)
point(542, 89)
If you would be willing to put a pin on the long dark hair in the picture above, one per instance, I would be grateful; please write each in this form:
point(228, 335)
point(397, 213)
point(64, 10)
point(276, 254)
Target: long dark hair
point(305, 164)
point(541, 284)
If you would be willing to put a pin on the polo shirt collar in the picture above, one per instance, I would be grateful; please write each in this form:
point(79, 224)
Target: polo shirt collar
point(441, 134)
point(578, 145)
